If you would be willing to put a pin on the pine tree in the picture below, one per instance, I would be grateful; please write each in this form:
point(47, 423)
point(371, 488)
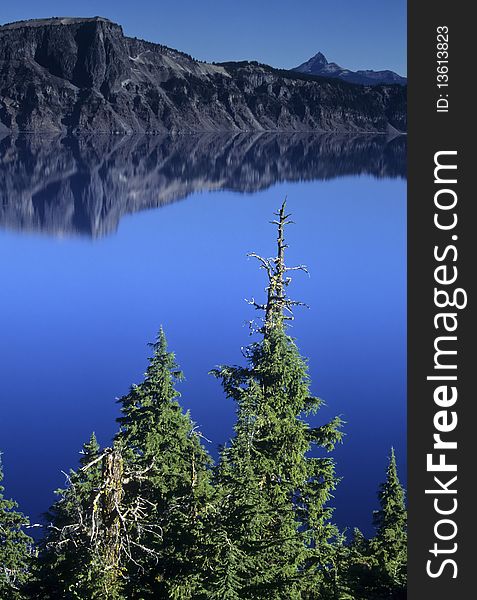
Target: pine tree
point(359, 569)
point(66, 563)
point(272, 490)
point(336, 585)
point(93, 529)
point(15, 548)
point(389, 546)
point(375, 569)
point(162, 443)
point(132, 521)
point(231, 563)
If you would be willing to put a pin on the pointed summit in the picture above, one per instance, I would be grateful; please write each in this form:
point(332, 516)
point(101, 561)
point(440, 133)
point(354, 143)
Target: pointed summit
point(318, 59)
point(319, 65)
point(314, 64)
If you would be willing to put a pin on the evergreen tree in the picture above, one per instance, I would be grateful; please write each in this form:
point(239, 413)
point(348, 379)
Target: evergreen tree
point(92, 530)
point(389, 546)
point(66, 563)
point(161, 443)
point(132, 521)
point(15, 548)
point(359, 569)
point(273, 527)
point(376, 569)
point(336, 585)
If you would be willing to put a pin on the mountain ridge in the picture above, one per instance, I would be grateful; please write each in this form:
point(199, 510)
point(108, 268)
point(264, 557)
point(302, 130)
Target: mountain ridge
point(319, 65)
point(74, 74)
point(53, 21)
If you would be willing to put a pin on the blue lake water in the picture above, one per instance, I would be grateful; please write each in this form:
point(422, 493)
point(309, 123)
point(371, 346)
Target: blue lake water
point(103, 241)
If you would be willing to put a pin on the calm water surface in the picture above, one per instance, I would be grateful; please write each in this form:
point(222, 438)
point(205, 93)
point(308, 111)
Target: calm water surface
point(102, 240)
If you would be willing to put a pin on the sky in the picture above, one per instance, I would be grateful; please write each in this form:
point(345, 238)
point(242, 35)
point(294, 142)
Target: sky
point(369, 34)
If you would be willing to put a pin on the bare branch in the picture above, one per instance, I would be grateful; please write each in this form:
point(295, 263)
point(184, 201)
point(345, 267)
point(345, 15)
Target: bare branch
point(297, 268)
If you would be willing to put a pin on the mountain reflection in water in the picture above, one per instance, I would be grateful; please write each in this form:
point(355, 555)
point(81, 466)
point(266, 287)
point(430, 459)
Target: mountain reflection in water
point(84, 185)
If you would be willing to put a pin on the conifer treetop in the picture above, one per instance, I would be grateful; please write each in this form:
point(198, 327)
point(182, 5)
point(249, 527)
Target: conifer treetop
point(392, 513)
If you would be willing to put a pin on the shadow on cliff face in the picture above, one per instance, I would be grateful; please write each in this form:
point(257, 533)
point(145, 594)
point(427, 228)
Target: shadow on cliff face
point(84, 185)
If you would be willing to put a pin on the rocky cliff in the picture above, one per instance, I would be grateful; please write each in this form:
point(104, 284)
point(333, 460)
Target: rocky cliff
point(85, 75)
point(85, 184)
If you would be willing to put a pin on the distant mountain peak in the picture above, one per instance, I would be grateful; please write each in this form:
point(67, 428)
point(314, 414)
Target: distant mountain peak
point(318, 60)
point(319, 65)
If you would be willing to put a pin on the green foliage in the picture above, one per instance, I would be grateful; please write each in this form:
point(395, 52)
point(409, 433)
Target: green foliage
point(230, 564)
point(358, 568)
point(66, 565)
point(376, 569)
point(160, 441)
point(272, 491)
point(15, 548)
point(389, 546)
point(131, 522)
